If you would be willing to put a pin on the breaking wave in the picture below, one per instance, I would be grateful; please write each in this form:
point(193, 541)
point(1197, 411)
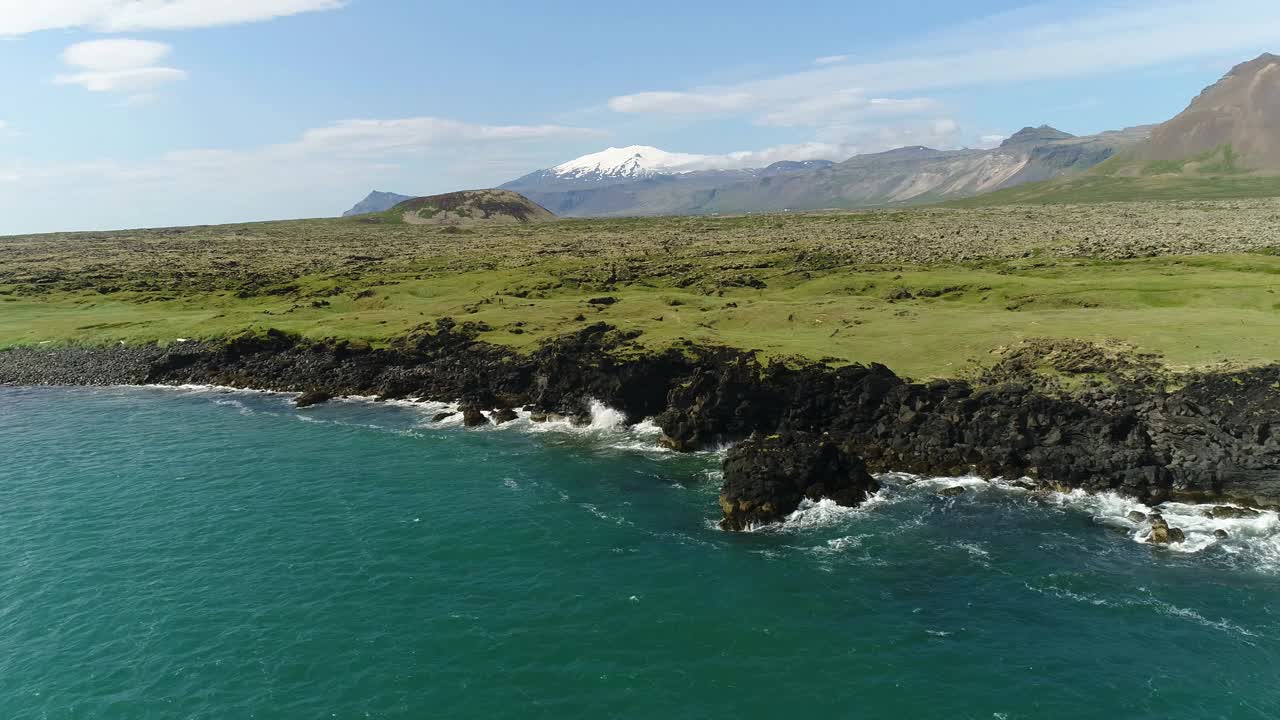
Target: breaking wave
point(1255, 539)
point(606, 426)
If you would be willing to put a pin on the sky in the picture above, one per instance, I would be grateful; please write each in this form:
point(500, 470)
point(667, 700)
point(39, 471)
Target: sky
point(143, 113)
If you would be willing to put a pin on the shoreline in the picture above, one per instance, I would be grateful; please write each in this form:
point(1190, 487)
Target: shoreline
point(1204, 528)
point(1214, 439)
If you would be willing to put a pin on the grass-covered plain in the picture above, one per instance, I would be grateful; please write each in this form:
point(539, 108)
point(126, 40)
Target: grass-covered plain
point(1153, 182)
point(927, 292)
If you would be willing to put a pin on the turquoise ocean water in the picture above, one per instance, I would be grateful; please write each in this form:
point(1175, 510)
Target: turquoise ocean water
point(192, 553)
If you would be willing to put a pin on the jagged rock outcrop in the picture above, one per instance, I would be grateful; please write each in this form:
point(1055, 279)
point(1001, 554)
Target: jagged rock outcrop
point(1162, 534)
point(473, 417)
point(312, 397)
point(766, 477)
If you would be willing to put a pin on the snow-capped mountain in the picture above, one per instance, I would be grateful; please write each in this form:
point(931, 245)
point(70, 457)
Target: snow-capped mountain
point(639, 179)
point(627, 163)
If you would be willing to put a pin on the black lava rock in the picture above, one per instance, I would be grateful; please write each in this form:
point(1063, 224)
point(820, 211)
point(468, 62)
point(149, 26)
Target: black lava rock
point(765, 478)
point(312, 397)
point(1227, 512)
point(1214, 439)
point(472, 417)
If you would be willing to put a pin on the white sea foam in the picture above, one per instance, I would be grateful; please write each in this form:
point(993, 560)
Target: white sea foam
point(826, 513)
point(1070, 595)
point(823, 513)
point(239, 406)
point(605, 418)
point(838, 546)
point(607, 426)
point(811, 515)
point(220, 389)
point(647, 428)
point(974, 550)
point(595, 510)
point(1253, 540)
point(1192, 616)
point(971, 483)
point(1150, 601)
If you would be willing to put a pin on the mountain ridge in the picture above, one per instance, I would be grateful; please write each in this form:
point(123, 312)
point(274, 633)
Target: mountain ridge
point(1225, 144)
point(1240, 111)
point(376, 201)
point(1230, 128)
point(913, 174)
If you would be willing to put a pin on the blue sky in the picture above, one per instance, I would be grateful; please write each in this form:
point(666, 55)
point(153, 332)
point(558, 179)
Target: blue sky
point(127, 113)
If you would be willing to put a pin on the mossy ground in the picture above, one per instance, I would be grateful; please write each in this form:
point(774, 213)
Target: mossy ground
point(928, 293)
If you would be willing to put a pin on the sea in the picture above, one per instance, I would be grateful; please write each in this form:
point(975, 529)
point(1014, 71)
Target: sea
point(205, 553)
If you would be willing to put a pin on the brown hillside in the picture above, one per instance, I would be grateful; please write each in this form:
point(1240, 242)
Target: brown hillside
point(471, 207)
point(1241, 110)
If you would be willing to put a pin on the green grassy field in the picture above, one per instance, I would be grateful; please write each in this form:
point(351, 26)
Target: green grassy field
point(1153, 185)
point(926, 292)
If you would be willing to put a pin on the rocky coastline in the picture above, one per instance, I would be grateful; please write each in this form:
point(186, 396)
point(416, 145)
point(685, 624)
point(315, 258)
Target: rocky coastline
point(805, 429)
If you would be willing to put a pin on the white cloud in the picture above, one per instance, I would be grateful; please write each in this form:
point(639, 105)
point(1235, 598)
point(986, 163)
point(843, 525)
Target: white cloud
point(321, 172)
point(990, 141)
point(379, 136)
point(1015, 47)
point(826, 109)
point(681, 102)
point(119, 65)
point(745, 159)
point(133, 80)
point(8, 131)
point(366, 143)
point(768, 156)
point(19, 17)
point(899, 106)
point(118, 54)
point(939, 133)
point(797, 111)
point(945, 126)
point(871, 105)
point(349, 143)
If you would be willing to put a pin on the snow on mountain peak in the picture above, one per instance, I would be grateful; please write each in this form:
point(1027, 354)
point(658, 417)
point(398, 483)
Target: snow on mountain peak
point(633, 161)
